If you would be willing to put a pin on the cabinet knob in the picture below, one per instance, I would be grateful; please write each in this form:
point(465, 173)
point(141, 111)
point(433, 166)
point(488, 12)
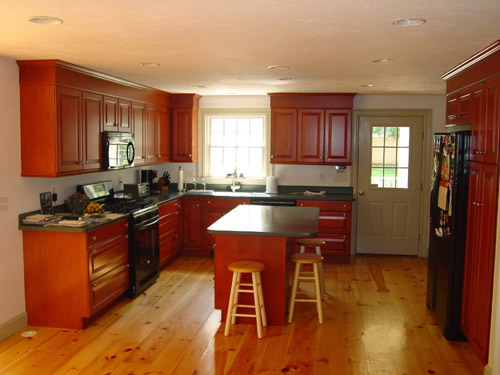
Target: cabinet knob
point(452, 117)
point(272, 156)
point(94, 283)
point(126, 236)
point(94, 238)
point(93, 251)
point(345, 205)
point(345, 215)
point(302, 204)
point(208, 202)
point(361, 192)
point(189, 155)
point(477, 204)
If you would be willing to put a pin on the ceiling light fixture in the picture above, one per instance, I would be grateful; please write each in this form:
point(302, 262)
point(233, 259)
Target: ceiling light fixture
point(46, 20)
point(409, 22)
point(367, 85)
point(378, 61)
point(199, 87)
point(148, 65)
point(278, 67)
point(287, 79)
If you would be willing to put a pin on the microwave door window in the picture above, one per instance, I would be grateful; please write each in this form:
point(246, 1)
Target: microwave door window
point(113, 155)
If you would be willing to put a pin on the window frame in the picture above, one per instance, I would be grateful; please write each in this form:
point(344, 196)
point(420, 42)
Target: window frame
point(203, 163)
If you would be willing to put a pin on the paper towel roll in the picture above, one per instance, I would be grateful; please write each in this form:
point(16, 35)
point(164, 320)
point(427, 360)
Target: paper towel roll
point(180, 179)
point(272, 185)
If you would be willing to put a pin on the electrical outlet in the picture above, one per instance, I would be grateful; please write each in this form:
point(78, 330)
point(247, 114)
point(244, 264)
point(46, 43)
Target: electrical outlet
point(3, 203)
point(322, 177)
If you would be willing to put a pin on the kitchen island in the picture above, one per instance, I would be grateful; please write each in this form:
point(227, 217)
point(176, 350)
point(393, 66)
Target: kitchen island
point(265, 234)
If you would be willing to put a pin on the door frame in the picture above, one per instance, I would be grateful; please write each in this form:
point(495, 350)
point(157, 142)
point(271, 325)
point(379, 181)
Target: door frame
point(426, 116)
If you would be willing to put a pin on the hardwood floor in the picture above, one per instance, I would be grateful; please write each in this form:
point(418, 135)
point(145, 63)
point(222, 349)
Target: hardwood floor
point(376, 323)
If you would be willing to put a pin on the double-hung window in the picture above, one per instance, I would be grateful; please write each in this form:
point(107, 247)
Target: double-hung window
point(235, 140)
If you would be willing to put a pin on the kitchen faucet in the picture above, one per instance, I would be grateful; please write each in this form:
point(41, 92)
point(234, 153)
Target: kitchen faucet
point(234, 185)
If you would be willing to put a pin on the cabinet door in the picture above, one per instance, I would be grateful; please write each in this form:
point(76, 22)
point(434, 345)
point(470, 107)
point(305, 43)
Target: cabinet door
point(210, 216)
point(69, 130)
point(124, 115)
point(92, 128)
point(138, 128)
point(151, 136)
point(109, 287)
point(479, 256)
point(477, 121)
point(164, 135)
point(338, 136)
point(451, 109)
point(311, 135)
point(183, 136)
point(107, 256)
point(191, 220)
point(111, 114)
point(168, 248)
point(491, 127)
point(464, 107)
point(283, 136)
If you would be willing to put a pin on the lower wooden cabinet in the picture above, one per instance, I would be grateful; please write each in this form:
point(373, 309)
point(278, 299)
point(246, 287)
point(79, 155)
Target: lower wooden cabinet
point(169, 230)
point(334, 225)
point(71, 276)
point(480, 256)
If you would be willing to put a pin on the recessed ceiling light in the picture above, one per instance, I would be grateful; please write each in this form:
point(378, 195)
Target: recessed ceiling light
point(45, 20)
point(382, 61)
point(287, 79)
point(231, 93)
point(409, 22)
point(278, 67)
point(148, 65)
point(367, 85)
point(199, 87)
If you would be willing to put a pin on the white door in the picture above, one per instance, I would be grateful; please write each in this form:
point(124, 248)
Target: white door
point(389, 183)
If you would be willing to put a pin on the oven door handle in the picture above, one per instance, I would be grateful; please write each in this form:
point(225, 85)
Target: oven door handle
point(147, 224)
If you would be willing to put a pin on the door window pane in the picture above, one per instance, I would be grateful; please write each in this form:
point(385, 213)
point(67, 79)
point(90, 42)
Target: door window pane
point(390, 156)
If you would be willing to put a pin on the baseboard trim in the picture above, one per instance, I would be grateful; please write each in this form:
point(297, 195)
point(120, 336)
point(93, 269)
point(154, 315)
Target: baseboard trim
point(12, 326)
point(487, 370)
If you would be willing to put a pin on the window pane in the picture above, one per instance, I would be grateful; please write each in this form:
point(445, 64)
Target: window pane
point(217, 169)
point(378, 136)
point(242, 160)
point(403, 157)
point(402, 179)
point(377, 157)
point(229, 159)
point(243, 131)
point(217, 125)
point(216, 154)
point(390, 157)
point(389, 177)
point(256, 132)
point(377, 176)
point(391, 134)
point(404, 136)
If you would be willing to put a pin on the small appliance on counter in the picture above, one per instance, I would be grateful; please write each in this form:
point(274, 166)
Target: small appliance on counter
point(272, 185)
point(137, 190)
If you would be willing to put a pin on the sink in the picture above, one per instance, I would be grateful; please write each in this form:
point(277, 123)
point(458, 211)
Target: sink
point(200, 191)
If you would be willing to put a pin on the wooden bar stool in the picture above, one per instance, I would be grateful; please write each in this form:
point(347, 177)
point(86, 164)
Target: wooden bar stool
point(316, 243)
point(255, 287)
point(306, 258)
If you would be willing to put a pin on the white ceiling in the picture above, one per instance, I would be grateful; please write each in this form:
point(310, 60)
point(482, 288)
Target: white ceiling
point(226, 45)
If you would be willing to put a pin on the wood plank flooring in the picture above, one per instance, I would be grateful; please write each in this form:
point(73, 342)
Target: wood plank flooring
point(376, 323)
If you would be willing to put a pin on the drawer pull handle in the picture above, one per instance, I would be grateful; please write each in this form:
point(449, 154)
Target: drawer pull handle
point(94, 238)
point(94, 284)
point(93, 251)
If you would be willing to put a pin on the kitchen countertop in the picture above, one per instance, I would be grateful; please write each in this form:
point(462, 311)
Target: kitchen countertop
point(251, 220)
point(333, 194)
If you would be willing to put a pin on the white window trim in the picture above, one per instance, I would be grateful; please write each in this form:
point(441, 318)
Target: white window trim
point(203, 148)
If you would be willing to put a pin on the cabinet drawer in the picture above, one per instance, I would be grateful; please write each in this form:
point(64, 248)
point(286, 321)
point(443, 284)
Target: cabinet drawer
point(168, 248)
point(325, 206)
point(107, 232)
point(109, 287)
point(334, 222)
point(228, 203)
point(166, 208)
point(169, 224)
point(335, 244)
point(106, 256)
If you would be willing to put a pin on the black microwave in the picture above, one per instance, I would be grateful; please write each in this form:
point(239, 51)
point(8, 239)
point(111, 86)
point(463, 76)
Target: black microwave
point(117, 150)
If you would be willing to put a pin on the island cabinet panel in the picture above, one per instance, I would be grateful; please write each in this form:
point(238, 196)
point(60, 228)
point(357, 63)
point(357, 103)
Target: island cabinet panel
point(334, 225)
point(169, 230)
point(213, 209)
point(479, 76)
point(71, 276)
point(65, 108)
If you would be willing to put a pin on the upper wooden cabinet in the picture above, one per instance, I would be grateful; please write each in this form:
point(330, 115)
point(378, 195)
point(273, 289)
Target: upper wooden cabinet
point(184, 128)
point(311, 128)
point(458, 108)
point(65, 108)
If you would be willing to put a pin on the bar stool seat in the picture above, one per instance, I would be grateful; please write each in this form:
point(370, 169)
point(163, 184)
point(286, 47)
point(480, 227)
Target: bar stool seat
point(316, 243)
point(255, 268)
point(306, 258)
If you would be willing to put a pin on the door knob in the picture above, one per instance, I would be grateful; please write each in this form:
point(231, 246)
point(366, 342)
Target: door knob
point(361, 192)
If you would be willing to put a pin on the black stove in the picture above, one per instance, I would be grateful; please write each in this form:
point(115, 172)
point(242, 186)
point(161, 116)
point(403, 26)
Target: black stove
point(143, 228)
